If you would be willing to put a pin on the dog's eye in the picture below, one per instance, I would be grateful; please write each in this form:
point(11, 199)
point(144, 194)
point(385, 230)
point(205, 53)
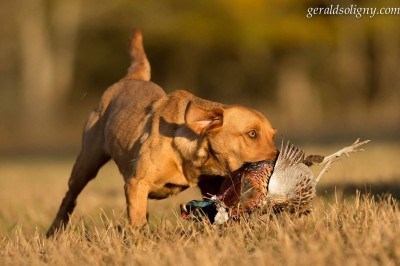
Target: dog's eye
point(252, 134)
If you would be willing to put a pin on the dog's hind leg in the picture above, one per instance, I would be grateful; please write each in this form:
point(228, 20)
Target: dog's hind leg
point(91, 158)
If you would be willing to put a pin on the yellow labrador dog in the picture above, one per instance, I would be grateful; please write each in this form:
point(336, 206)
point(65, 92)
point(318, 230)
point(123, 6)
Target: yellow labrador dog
point(163, 144)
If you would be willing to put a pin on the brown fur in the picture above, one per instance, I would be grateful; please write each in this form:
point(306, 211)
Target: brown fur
point(163, 144)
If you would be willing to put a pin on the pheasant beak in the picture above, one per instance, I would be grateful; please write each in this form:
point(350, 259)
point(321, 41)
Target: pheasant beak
point(184, 212)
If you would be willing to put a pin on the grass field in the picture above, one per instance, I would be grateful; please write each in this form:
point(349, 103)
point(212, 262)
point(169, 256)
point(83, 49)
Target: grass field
point(345, 227)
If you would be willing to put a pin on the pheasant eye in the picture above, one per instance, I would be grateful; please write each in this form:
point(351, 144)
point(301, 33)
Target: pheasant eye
point(252, 134)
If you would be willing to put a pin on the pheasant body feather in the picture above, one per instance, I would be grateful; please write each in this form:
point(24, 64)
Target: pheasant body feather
point(291, 186)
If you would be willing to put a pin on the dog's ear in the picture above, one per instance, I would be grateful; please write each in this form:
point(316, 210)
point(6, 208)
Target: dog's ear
point(201, 120)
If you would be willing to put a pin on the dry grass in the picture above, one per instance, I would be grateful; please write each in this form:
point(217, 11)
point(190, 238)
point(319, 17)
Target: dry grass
point(353, 230)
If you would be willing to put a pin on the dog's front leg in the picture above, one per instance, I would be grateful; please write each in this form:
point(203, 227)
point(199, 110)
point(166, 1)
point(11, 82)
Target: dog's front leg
point(136, 192)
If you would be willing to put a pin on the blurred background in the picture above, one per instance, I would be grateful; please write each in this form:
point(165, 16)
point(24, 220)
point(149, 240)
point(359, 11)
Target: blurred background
point(320, 81)
point(322, 78)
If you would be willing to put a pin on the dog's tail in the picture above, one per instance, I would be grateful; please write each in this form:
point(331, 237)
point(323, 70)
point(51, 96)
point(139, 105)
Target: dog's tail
point(140, 66)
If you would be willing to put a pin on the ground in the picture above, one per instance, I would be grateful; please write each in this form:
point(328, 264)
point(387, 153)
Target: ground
point(346, 226)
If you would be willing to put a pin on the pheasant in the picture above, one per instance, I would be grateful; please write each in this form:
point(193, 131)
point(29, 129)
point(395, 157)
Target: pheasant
point(286, 184)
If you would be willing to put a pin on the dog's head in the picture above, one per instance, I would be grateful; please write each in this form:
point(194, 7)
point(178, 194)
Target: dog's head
point(234, 134)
